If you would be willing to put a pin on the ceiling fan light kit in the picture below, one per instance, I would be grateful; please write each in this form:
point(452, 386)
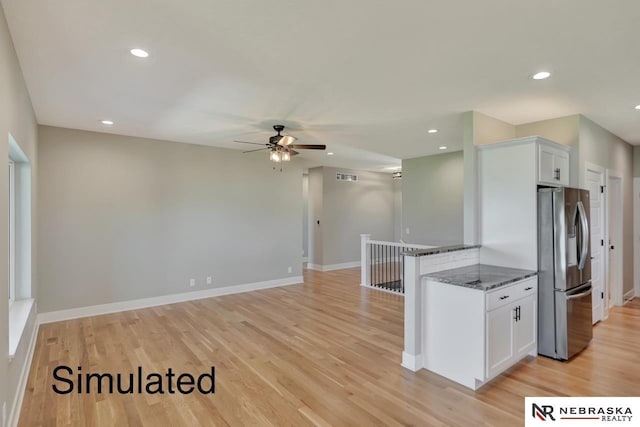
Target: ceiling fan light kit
point(282, 147)
point(279, 154)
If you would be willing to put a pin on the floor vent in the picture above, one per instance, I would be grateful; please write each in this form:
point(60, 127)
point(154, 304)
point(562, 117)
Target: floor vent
point(346, 177)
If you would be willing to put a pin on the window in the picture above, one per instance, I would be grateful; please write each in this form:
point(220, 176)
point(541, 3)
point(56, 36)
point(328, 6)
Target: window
point(12, 232)
point(21, 305)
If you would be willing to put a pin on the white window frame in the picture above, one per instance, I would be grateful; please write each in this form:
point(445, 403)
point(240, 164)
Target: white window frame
point(12, 232)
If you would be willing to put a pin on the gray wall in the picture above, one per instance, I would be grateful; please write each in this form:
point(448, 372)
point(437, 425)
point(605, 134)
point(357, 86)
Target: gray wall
point(432, 199)
point(16, 117)
point(346, 210)
point(125, 218)
point(600, 147)
point(354, 208)
point(636, 161)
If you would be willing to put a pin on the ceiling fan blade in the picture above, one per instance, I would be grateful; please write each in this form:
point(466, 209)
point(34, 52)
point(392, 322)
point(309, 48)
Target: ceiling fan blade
point(293, 152)
point(308, 147)
point(259, 149)
point(245, 142)
point(287, 140)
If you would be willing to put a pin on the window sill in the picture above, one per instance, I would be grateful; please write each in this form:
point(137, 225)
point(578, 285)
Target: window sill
point(18, 315)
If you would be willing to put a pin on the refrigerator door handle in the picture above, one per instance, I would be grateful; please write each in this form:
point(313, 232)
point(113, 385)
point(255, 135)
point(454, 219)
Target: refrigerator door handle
point(585, 236)
point(580, 295)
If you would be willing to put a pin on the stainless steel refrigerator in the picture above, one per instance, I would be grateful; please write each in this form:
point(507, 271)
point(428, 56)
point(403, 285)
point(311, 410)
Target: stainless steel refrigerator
point(564, 268)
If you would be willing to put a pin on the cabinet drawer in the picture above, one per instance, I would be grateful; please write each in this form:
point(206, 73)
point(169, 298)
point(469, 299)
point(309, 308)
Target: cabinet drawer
point(507, 294)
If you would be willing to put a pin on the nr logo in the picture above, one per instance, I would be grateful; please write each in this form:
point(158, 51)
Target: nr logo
point(542, 412)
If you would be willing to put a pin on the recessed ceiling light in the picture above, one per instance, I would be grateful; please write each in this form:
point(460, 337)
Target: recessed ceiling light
point(638, 107)
point(444, 147)
point(140, 53)
point(330, 153)
point(433, 131)
point(106, 122)
point(541, 75)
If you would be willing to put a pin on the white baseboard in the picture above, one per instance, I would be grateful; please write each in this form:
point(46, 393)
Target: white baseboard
point(95, 310)
point(628, 296)
point(412, 362)
point(375, 288)
point(331, 267)
point(14, 414)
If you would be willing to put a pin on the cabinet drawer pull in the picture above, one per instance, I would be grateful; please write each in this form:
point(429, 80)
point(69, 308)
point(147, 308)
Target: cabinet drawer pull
point(528, 289)
point(504, 297)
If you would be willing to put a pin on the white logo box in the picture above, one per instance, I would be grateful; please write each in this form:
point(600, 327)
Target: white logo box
point(581, 411)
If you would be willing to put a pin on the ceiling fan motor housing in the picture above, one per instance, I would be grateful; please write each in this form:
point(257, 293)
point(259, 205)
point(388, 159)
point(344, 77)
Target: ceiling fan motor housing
point(274, 139)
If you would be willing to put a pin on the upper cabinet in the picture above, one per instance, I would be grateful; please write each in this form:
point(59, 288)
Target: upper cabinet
point(553, 164)
point(509, 174)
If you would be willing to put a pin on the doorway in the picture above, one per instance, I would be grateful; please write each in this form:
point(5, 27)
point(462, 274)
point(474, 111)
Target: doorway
point(595, 183)
point(615, 240)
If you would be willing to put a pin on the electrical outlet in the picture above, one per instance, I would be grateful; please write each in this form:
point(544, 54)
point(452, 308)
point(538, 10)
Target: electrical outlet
point(407, 230)
point(209, 280)
point(290, 269)
point(192, 282)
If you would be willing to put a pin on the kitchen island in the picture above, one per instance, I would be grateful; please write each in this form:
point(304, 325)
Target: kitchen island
point(465, 320)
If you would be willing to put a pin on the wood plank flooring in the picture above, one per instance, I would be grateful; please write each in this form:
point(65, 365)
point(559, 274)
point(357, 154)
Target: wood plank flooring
point(326, 352)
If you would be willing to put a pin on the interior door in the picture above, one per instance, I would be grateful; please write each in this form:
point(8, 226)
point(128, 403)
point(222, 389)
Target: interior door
point(614, 293)
point(595, 179)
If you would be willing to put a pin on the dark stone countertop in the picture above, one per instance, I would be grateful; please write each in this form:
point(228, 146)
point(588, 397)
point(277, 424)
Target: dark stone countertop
point(481, 276)
point(439, 250)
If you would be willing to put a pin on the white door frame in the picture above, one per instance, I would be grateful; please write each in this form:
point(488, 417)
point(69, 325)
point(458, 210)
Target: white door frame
point(604, 313)
point(636, 226)
point(616, 288)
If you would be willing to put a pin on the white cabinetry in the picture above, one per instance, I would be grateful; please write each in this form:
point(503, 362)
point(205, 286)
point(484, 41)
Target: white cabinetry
point(471, 335)
point(509, 175)
point(511, 326)
point(553, 165)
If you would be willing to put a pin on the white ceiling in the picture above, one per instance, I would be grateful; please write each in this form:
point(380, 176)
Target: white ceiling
point(365, 77)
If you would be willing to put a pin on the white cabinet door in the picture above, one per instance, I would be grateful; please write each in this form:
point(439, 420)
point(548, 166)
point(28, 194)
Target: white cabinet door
point(561, 166)
point(499, 339)
point(546, 165)
point(553, 165)
point(525, 326)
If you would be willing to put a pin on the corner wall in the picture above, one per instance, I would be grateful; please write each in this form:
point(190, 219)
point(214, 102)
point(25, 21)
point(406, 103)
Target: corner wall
point(353, 208)
point(16, 117)
point(433, 199)
point(126, 218)
point(600, 147)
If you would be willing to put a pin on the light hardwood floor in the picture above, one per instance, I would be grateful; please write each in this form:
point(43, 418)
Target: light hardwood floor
point(323, 353)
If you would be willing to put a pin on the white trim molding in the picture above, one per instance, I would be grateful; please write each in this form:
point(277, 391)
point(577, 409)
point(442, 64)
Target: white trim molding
point(96, 310)
point(628, 296)
point(14, 414)
point(412, 362)
point(332, 267)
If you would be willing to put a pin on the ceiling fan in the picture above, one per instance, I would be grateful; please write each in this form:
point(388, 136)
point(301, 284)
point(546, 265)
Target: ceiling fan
point(282, 147)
